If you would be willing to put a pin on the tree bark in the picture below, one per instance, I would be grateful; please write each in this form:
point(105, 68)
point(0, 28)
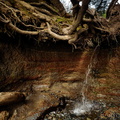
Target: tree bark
point(75, 4)
point(59, 6)
point(112, 4)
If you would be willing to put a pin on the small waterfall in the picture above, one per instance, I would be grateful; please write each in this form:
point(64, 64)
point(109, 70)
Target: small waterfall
point(85, 105)
point(85, 83)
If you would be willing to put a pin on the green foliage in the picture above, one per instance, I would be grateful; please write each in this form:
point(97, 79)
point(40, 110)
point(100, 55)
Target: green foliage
point(100, 5)
point(104, 15)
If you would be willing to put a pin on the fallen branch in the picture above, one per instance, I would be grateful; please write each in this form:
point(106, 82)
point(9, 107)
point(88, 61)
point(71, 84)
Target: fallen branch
point(7, 98)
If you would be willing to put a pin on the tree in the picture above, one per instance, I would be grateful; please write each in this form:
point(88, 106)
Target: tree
point(48, 19)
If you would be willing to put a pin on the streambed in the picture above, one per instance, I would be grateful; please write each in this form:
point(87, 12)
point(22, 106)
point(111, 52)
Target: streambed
point(103, 82)
point(46, 77)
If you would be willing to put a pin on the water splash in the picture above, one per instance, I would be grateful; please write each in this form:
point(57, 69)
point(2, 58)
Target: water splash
point(83, 108)
point(85, 105)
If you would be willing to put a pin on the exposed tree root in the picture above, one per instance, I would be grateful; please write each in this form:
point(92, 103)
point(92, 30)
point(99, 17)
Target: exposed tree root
point(45, 5)
point(60, 37)
point(81, 30)
point(14, 28)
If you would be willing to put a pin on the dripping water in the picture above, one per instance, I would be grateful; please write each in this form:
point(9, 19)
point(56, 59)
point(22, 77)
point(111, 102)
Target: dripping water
point(85, 105)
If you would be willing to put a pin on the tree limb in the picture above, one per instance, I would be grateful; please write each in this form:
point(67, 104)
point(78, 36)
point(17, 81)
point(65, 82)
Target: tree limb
point(79, 16)
point(112, 4)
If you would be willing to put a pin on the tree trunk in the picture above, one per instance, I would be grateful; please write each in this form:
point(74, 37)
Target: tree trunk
point(80, 16)
point(112, 4)
point(59, 6)
point(76, 9)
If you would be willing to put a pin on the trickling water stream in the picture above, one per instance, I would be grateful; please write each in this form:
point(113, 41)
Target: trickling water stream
point(81, 107)
point(91, 93)
point(85, 105)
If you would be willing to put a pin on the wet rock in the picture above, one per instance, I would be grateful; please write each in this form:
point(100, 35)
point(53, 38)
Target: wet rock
point(4, 115)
